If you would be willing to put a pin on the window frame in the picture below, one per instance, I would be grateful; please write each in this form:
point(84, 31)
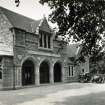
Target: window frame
point(71, 71)
point(83, 70)
point(47, 46)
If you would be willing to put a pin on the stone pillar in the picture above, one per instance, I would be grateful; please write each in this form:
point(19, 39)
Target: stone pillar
point(51, 74)
point(37, 76)
point(42, 40)
point(63, 73)
point(18, 76)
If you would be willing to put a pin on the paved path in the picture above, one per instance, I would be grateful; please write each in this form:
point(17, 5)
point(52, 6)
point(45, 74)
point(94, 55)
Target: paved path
point(59, 94)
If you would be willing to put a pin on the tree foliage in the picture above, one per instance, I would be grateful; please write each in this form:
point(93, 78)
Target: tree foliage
point(17, 2)
point(84, 20)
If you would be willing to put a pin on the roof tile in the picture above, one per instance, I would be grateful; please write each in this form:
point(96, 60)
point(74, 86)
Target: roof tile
point(20, 21)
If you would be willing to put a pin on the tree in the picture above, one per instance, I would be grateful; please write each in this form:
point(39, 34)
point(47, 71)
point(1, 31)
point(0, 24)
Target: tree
point(97, 62)
point(84, 20)
point(17, 2)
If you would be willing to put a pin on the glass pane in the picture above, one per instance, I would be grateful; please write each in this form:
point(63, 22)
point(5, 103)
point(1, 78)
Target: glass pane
point(49, 42)
point(40, 40)
point(45, 44)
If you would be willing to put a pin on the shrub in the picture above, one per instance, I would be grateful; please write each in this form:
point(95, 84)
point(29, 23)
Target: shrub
point(85, 78)
point(98, 79)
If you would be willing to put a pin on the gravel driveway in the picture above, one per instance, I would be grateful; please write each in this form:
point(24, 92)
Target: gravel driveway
point(58, 94)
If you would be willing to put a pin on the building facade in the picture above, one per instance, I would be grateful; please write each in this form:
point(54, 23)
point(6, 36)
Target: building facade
point(75, 68)
point(30, 54)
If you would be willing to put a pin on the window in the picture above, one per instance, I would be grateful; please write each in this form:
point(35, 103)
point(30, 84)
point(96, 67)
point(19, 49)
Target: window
point(0, 67)
point(45, 40)
point(83, 70)
point(49, 42)
point(40, 40)
point(20, 37)
point(71, 71)
point(0, 60)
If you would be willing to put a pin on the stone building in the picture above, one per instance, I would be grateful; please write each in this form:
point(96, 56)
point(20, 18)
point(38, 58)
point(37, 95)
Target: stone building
point(30, 54)
point(74, 68)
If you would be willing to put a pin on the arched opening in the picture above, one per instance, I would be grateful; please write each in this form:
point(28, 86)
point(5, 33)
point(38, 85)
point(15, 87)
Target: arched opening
point(44, 72)
point(57, 72)
point(28, 77)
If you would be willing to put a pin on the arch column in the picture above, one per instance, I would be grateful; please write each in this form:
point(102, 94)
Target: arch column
point(62, 73)
point(51, 74)
point(37, 75)
point(18, 76)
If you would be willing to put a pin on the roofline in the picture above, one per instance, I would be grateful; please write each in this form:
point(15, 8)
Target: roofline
point(23, 30)
point(18, 13)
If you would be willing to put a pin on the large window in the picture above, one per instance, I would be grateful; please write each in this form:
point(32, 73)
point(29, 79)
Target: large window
point(71, 71)
point(45, 40)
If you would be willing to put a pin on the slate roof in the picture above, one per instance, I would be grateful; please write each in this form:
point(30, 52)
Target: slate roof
point(73, 50)
point(20, 21)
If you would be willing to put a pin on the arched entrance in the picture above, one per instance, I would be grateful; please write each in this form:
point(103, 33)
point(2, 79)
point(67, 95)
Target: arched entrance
point(28, 77)
point(57, 72)
point(44, 72)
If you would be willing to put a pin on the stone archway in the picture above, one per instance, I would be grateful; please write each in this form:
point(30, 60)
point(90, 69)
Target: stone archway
point(57, 72)
point(28, 73)
point(44, 72)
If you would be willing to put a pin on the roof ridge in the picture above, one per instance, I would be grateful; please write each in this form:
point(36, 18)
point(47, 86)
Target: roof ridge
point(19, 14)
point(20, 21)
point(25, 23)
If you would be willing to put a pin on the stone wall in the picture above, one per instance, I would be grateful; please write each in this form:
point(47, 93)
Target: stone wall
point(26, 47)
point(76, 72)
point(18, 45)
point(8, 78)
point(6, 50)
point(85, 66)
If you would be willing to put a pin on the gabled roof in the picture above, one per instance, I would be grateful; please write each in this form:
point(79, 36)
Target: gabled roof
point(73, 50)
point(45, 26)
point(23, 22)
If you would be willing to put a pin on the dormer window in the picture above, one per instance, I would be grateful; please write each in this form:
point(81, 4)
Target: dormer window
point(45, 40)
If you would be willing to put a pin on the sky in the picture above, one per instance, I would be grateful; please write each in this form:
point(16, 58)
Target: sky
point(29, 8)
